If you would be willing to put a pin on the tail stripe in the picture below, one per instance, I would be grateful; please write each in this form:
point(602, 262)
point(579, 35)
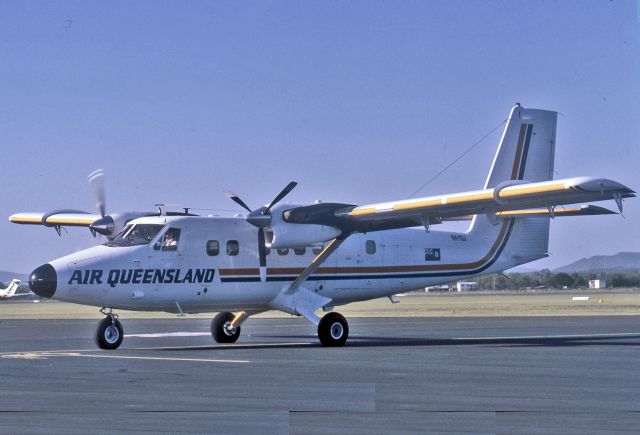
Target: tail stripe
point(518, 157)
point(522, 149)
point(525, 152)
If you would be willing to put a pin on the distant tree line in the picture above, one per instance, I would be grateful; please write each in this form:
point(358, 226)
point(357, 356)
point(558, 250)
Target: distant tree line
point(547, 279)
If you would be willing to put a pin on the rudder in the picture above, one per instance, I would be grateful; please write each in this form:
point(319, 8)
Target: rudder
point(525, 154)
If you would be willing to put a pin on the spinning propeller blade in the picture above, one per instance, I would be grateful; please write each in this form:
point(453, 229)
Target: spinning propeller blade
point(262, 249)
point(96, 179)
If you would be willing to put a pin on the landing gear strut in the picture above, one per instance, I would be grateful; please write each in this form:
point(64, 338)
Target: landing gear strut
point(333, 330)
point(110, 333)
point(224, 329)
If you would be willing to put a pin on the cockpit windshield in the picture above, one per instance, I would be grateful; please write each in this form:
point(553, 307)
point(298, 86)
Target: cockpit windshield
point(136, 234)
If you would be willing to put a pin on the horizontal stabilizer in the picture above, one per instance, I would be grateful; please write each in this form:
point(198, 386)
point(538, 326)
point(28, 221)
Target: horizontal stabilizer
point(583, 210)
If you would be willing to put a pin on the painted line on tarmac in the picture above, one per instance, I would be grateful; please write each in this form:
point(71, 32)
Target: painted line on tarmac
point(46, 355)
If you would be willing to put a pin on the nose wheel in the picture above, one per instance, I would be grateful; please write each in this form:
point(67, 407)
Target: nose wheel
point(333, 330)
point(222, 328)
point(110, 333)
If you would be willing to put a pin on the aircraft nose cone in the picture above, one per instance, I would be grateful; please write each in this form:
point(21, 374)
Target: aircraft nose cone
point(43, 281)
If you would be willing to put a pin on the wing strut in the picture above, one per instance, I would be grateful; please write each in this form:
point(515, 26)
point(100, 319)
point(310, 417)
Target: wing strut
point(298, 300)
point(315, 264)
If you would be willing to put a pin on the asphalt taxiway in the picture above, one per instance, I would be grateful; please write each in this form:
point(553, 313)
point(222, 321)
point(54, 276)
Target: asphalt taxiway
point(396, 375)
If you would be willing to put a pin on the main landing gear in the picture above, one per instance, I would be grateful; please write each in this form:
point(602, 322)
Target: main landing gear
point(110, 333)
point(333, 330)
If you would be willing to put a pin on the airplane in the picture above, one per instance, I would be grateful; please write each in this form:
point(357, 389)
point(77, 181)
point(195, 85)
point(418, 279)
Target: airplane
point(10, 291)
point(303, 258)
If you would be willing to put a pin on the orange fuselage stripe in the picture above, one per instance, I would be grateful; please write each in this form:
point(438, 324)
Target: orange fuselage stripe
point(376, 269)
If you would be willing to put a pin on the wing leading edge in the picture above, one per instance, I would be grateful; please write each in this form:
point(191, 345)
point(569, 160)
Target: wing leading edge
point(510, 199)
point(56, 218)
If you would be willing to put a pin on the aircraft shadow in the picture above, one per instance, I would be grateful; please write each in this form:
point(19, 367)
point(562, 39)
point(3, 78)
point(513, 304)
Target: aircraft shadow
point(376, 341)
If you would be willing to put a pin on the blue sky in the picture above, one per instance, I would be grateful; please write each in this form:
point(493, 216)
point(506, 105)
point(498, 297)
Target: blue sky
point(357, 101)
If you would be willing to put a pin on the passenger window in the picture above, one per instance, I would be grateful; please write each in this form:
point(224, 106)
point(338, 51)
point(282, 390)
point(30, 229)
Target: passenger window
point(300, 251)
point(283, 251)
point(370, 247)
point(170, 239)
point(213, 247)
point(233, 247)
point(316, 250)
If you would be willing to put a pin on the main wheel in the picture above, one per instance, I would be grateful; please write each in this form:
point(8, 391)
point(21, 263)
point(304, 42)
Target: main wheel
point(333, 330)
point(109, 334)
point(221, 329)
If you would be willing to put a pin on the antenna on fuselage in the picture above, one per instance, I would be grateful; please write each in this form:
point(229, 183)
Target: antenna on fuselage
point(162, 209)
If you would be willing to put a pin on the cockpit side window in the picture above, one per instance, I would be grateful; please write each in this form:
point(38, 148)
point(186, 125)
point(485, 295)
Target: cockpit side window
point(171, 239)
point(136, 234)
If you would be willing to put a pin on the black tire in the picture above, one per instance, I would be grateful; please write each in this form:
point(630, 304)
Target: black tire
point(333, 330)
point(109, 334)
point(220, 333)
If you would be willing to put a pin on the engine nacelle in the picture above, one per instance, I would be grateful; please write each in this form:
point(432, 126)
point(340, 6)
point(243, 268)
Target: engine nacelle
point(284, 235)
point(112, 224)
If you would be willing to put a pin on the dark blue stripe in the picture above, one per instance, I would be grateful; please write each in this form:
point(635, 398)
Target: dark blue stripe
point(525, 152)
point(387, 276)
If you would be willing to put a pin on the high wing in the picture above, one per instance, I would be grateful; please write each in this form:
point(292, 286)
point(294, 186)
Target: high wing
point(511, 199)
point(108, 225)
point(101, 223)
point(57, 218)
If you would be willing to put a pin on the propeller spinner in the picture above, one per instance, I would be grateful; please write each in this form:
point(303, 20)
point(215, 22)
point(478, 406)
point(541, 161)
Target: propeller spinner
point(261, 218)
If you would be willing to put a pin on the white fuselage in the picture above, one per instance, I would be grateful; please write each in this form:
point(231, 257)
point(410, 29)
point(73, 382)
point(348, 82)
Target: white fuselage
point(189, 279)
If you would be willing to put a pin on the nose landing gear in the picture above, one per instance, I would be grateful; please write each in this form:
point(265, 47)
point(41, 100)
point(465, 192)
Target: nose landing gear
point(224, 329)
point(110, 333)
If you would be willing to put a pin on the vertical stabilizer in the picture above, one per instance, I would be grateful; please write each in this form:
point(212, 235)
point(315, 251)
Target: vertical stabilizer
point(11, 289)
point(525, 154)
point(527, 148)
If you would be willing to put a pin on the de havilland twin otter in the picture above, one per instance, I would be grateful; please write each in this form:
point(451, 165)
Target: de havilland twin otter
point(302, 258)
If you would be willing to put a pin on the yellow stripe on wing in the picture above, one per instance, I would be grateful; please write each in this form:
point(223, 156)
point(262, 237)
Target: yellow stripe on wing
point(417, 204)
point(540, 211)
point(54, 220)
point(512, 191)
point(18, 219)
point(479, 196)
point(430, 202)
point(363, 211)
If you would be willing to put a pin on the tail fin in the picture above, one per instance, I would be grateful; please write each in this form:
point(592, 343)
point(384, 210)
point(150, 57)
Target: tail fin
point(527, 147)
point(526, 152)
point(11, 289)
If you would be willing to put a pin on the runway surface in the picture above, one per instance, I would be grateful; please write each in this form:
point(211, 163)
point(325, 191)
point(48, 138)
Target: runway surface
point(396, 375)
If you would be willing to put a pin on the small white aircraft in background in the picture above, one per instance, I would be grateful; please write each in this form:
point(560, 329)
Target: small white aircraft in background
point(300, 258)
point(10, 291)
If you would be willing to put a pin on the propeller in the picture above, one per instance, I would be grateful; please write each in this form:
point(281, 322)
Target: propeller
point(105, 224)
point(261, 218)
point(96, 179)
